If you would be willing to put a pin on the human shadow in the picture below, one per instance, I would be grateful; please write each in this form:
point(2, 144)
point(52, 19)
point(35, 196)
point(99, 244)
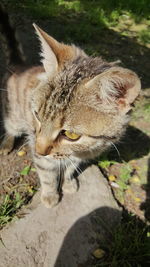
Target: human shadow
point(83, 237)
point(102, 229)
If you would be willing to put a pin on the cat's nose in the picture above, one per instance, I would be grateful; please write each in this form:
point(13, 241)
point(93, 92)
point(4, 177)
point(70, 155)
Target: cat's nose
point(43, 146)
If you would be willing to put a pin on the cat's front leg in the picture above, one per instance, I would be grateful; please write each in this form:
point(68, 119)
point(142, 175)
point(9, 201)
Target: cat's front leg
point(71, 184)
point(48, 174)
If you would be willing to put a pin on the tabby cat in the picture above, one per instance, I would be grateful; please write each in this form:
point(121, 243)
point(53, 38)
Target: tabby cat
point(72, 108)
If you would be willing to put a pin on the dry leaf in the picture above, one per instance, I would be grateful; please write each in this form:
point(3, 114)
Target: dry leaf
point(112, 178)
point(135, 179)
point(21, 153)
point(99, 253)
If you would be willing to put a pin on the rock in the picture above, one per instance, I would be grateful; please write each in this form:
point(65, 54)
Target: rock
point(66, 235)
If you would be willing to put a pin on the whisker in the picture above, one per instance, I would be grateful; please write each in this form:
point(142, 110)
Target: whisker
point(60, 178)
point(19, 150)
point(79, 171)
point(22, 146)
point(69, 174)
point(116, 149)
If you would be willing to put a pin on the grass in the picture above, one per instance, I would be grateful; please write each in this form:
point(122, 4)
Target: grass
point(144, 36)
point(129, 245)
point(11, 204)
point(107, 10)
point(9, 207)
point(16, 193)
point(90, 15)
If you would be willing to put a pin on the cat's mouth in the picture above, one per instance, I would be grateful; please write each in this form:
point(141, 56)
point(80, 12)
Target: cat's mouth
point(53, 156)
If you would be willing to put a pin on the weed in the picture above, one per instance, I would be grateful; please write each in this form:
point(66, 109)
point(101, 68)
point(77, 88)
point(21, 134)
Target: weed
point(106, 163)
point(144, 36)
point(125, 175)
point(26, 170)
point(8, 208)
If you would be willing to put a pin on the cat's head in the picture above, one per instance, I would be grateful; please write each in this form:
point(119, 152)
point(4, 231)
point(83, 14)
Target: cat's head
point(81, 106)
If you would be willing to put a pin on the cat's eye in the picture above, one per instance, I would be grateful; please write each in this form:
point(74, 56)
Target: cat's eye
point(71, 136)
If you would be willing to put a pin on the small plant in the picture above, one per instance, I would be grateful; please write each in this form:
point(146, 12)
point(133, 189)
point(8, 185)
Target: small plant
point(8, 208)
point(26, 170)
point(105, 163)
point(125, 175)
point(144, 36)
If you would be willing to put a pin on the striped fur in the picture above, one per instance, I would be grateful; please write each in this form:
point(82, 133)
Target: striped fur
point(73, 92)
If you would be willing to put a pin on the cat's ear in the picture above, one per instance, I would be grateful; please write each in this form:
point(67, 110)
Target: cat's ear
point(119, 85)
point(54, 54)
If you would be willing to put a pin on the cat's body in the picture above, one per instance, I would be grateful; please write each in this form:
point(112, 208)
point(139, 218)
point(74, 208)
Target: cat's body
point(72, 108)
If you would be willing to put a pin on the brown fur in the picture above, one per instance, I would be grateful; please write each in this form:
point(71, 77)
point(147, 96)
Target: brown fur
point(73, 92)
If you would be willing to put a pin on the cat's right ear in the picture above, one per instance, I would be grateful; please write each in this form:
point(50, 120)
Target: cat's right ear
point(49, 59)
point(55, 54)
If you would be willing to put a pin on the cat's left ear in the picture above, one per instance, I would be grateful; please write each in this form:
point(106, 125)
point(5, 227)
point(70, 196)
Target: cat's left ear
point(117, 85)
point(55, 54)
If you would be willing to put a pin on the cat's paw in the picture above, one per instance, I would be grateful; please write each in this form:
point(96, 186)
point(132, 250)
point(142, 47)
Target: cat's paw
point(70, 186)
point(50, 200)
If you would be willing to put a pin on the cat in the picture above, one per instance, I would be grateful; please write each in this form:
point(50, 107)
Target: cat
point(72, 108)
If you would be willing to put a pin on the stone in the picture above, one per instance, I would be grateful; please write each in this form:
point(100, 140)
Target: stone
point(66, 235)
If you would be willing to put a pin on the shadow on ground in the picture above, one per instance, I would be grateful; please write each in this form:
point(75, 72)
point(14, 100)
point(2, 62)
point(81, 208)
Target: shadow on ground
point(97, 225)
point(97, 40)
point(134, 145)
point(107, 233)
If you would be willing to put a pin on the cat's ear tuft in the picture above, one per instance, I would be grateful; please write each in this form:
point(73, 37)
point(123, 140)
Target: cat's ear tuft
point(55, 54)
point(119, 85)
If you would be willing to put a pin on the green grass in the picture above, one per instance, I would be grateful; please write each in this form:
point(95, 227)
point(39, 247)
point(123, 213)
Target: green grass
point(129, 245)
point(125, 175)
point(144, 36)
point(107, 10)
point(9, 207)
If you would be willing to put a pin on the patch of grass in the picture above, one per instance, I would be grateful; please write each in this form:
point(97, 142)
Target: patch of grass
point(9, 207)
point(129, 245)
point(105, 163)
point(125, 175)
point(142, 111)
point(107, 11)
point(15, 197)
point(144, 36)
